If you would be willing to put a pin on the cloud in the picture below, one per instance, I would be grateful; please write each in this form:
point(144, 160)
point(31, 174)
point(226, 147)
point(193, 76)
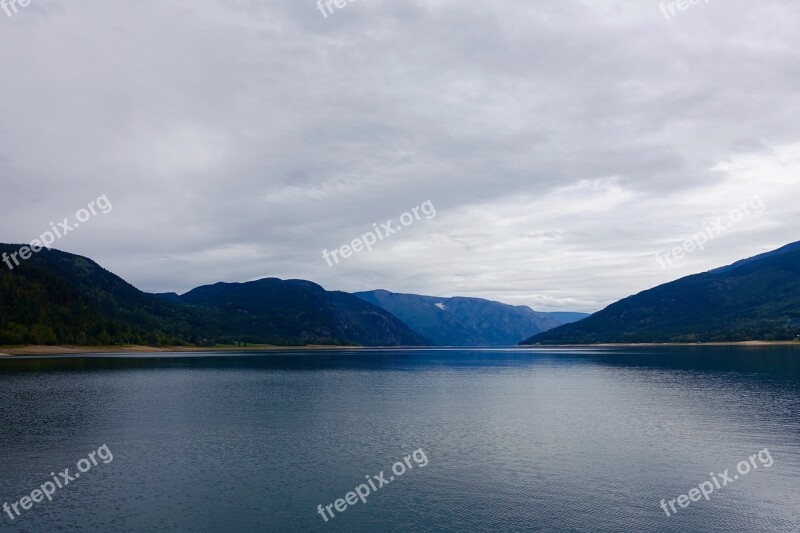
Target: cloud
point(562, 143)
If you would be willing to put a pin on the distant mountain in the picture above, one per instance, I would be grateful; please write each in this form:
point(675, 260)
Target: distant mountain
point(753, 299)
point(300, 312)
point(466, 321)
point(563, 317)
point(168, 296)
point(60, 298)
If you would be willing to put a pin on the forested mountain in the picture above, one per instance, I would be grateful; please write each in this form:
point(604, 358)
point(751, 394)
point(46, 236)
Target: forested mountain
point(60, 298)
point(754, 299)
point(300, 312)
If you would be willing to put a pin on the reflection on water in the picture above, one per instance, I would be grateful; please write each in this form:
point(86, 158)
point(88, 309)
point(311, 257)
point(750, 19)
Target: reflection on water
point(517, 439)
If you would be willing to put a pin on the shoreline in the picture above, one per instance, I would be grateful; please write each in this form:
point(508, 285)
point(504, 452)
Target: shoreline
point(643, 344)
point(11, 351)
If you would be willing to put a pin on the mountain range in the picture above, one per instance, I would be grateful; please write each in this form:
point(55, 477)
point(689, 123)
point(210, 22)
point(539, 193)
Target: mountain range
point(60, 298)
point(297, 312)
point(753, 299)
point(463, 321)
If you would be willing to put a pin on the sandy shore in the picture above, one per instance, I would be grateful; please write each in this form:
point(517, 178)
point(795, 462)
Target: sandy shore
point(643, 344)
point(56, 350)
point(9, 351)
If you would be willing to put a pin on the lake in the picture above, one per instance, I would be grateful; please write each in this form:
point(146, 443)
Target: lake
point(538, 439)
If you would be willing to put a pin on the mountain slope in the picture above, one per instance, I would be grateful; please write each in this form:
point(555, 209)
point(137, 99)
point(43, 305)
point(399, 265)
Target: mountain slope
point(56, 297)
point(300, 312)
point(466, 321)
point(60, 298)
point(754, 299)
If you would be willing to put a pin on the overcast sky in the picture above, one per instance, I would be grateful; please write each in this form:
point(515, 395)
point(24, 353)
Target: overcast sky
point(562, 143)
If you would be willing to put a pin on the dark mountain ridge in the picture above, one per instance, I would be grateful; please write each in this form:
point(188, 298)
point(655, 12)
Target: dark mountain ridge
point(753, 299)
point(60, 298)
point(301, 312)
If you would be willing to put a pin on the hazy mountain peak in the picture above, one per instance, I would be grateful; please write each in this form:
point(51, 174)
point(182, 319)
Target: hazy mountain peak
point(464, 321)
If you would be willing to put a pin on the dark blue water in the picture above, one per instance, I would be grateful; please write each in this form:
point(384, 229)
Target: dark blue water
point(512, 440)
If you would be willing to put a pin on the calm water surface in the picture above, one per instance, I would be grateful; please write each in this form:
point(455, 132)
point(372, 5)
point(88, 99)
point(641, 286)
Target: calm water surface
point(516, 440)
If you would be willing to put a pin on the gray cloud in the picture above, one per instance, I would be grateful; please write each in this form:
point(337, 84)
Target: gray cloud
point(562, 143)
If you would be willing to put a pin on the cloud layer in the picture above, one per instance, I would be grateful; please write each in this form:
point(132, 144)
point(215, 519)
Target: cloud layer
point(563, 143)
